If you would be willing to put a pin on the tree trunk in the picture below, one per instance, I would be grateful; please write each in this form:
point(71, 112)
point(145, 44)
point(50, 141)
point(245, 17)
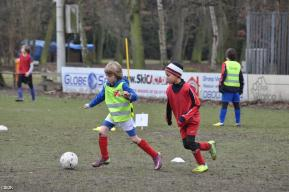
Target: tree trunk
point(2, 81)
point(136, 36)
point(223, 31)
point(199, 39)
point(99, 43)
point(119, 50)
point(213, 65)
point(162, 34)
point(83, 39)
point(179, 36)
point(48, 37)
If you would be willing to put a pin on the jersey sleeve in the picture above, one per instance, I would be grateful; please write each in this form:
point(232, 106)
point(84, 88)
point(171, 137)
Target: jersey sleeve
point(169, 113)
point(133, 95)
point(98, 98)
point(195, 105)
point(241, 79)
point(223, 74)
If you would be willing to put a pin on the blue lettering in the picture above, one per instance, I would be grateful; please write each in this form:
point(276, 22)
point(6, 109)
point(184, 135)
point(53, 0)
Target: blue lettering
point(75, 80)
point(208, 78)
point(101, 80)
point(211, 95)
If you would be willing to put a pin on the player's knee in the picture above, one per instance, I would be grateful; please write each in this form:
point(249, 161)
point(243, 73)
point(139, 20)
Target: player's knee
point(193, 145)
point(225, 105)
point(236, 105)
point(102, 134)
point(135, 139)
point(186, 146)
point(190, 145)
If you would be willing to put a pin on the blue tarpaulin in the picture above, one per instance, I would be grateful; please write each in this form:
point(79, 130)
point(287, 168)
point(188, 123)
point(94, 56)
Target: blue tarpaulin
point(39, 44)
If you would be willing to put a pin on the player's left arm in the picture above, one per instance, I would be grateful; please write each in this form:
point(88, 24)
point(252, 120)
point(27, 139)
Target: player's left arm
point(129, 93)
point(31, 67)
point(193, 110)
point(241, 79)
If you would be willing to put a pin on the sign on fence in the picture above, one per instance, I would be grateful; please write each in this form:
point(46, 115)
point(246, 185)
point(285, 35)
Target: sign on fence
point(146, 83)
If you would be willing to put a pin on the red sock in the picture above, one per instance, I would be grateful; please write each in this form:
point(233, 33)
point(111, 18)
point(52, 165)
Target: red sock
point(103, 141)
point(199, 158)
point(147, 148)
point(205, 146)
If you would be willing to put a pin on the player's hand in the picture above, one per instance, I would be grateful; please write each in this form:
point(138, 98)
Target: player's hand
point(27, 74)
point(221, 89)
point(126, 94)
point(86, 106)
point(181, 121)
point(169, 121)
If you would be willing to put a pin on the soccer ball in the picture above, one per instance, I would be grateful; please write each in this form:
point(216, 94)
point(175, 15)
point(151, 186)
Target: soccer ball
point(68, 160)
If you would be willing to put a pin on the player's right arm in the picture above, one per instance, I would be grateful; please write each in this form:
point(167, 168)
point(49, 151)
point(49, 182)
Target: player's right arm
point(169, 113)
point(98, 99)
point(223, 77)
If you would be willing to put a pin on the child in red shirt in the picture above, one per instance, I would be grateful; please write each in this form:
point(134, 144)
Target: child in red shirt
point(25, 73)
point(184, 103)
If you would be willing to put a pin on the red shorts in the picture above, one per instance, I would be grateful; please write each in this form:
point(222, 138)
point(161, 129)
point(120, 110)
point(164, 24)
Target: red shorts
point(191, 128)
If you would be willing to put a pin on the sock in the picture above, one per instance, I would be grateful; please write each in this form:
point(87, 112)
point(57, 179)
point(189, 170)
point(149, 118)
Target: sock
point(223, 113)
point(237, 115)
point(147, 148)
point(32, 92)
point(198, 156)
point(204, 146)
point(20, 93)
point(103, 142)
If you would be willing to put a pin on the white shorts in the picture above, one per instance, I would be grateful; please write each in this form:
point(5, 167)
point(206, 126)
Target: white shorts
point(125, 125)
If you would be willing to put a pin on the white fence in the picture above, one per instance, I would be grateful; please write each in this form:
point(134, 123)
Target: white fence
point(152, 84)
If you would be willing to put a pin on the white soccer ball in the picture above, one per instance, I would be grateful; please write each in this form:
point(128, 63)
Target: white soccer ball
point(68, 160)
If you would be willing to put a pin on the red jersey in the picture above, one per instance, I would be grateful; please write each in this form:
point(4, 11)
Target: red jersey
point(184, 102)
point(24, 64)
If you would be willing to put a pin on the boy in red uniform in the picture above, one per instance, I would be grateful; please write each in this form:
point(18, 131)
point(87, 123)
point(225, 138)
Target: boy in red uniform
point(184, 103)
point(25, 73)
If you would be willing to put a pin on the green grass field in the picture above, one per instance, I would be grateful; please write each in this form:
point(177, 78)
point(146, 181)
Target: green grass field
point(251, 158)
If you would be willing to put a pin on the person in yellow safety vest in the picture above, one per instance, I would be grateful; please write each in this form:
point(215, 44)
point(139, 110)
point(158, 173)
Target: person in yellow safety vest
point(231, 86)
point(118, 97)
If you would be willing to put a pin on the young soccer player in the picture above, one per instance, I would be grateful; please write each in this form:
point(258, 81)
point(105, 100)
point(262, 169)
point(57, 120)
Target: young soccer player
point(25, 73)
point(184, 103)
point(231, 86)
point(118, 97)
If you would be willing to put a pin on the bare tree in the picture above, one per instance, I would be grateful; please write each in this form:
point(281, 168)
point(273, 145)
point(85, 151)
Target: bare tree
point(136, 35)
point(162, 33)
point(215, 38)
point(83, 39)
point(48, 36)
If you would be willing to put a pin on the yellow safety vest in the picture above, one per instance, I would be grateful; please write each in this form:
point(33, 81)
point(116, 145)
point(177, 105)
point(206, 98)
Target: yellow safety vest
point(118, 106)
point(233, 71)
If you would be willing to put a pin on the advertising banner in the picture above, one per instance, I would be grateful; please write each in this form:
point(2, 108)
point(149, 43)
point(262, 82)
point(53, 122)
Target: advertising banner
point(146, 83)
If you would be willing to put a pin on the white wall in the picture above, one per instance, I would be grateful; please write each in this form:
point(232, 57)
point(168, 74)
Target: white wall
point(268, 88)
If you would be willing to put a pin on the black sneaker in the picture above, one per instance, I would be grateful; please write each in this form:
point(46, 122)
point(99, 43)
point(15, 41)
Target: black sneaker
point(19, 100)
